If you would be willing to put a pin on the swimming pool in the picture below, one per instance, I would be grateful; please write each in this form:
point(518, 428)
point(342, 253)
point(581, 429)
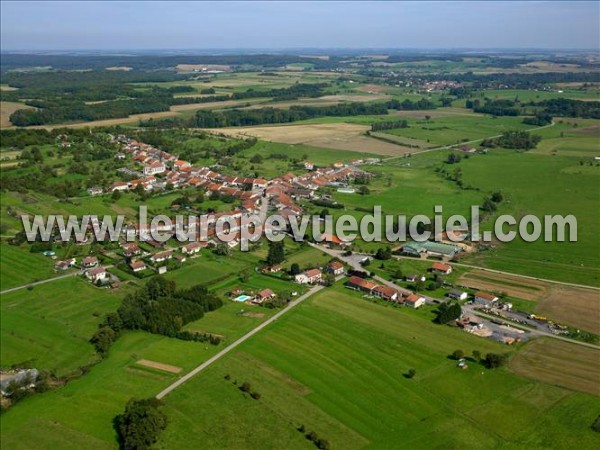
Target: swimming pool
point(242, 298)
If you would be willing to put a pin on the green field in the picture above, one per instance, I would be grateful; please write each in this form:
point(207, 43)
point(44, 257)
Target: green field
point(50, 325)
point(336, 365)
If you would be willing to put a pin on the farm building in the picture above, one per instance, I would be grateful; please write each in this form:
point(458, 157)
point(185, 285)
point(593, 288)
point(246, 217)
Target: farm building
point(485, 299)
point(458, 295)
point(430, 249)
point(361, 284)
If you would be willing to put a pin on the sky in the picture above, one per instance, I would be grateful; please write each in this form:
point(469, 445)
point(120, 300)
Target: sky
point(120, 25)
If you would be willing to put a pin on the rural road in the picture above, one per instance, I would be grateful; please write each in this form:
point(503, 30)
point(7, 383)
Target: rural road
point(6, 291)
point(233, 345)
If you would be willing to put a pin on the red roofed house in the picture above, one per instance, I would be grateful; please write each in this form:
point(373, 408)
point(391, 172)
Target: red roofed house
point(414, 301)
point(361, 284)
point(264, 295)
point(386, 292)
point(335, 268)
point(95, 274)
point(309, 277)
point(180, 164)
point(137, 266)
point(334, 241)
point(89, 262)
point(191, 248)
point(443, 268)
point(161, 256)
point(485, 299)
point(154, 167)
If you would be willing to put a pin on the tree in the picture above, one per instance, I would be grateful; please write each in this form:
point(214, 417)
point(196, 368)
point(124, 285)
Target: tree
point(295, 269)
point(453, 158)
point(489, 205)
point(222, 249)
point(256, 159)
point(140, 425)
point(476, 355)
point(497, 197)
point(458, 354)
point(383, 253)
point(494, 360)
point(411, 373)
point(103, 339)
point(363, 190)
point(596, 425)
point(447, 312)
point(276, 253)
point(116, 195)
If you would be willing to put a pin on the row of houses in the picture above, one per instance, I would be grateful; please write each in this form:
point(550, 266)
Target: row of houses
point(385, 292)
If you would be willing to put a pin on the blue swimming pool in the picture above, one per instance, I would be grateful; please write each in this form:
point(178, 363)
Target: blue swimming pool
point(242, 298)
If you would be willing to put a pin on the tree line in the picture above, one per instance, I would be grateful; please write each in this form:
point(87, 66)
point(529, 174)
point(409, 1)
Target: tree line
point(159, 308)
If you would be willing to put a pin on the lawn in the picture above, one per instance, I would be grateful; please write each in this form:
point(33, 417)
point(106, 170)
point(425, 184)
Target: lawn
point(336, 365)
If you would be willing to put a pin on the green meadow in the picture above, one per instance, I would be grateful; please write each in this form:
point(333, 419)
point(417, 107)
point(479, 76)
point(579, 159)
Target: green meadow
point(336, 366)
point(51, 324)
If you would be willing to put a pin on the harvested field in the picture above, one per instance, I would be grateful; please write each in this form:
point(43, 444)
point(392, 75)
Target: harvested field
point(159, 366)
point(513, 285)
point(561, 363)
point(574, 306)
point(340, 136)
point(6, 109)
point(578, 307)
point(372, 88)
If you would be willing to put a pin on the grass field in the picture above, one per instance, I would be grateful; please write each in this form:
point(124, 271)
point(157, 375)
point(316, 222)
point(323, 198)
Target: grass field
point(335, 366)
point(18, 266)
point(560, 363)
point(541, 185)
point(52, 324)
point(455, 129)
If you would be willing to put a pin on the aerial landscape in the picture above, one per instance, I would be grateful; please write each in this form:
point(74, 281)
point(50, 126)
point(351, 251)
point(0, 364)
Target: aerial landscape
point(300, 225)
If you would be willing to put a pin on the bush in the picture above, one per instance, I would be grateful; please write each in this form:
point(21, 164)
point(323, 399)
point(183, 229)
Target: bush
point(458, 354)
point(411, 373)
point(255, 395)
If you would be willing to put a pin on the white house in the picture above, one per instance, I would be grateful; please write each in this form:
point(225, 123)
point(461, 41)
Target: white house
point(309, 277)
point(414, 301)
point(154, 167)
point(458, 295)
point(97, 273)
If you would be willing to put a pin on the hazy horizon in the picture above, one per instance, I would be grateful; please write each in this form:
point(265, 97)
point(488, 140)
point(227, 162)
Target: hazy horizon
point(277, 26)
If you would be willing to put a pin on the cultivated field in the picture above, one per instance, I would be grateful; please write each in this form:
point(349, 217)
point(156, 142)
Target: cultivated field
point(560, 363)
point(159, 366)
point(512, 285)
point(341, 136)
point(6, 109)
point(574, 306)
